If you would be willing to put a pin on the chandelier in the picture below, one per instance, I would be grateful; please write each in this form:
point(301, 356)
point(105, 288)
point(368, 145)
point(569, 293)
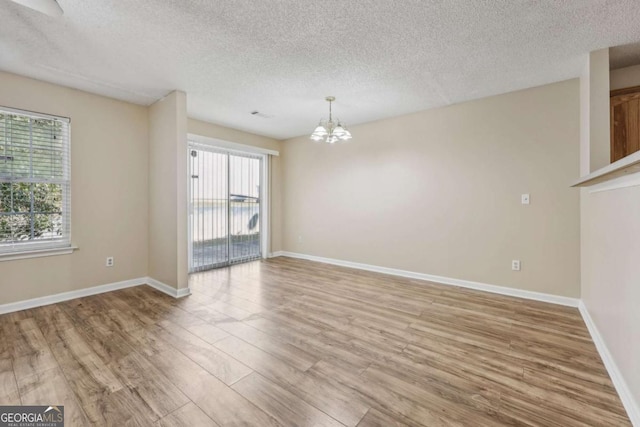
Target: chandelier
point(330, 131)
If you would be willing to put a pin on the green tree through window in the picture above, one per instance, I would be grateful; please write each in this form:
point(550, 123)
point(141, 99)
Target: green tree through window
point(34, 180)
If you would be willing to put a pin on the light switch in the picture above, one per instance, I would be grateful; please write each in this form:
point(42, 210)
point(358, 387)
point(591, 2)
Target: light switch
point(525, 199)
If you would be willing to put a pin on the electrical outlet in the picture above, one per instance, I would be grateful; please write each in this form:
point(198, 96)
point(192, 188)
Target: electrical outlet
point(515, 265)
point(109, 262)
point(525, 199)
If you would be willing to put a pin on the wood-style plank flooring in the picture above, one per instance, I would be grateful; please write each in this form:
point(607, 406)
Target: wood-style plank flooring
point(297, 343)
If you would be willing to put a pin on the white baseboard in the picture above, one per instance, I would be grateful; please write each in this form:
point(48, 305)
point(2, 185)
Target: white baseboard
point(537, 296)
point(94, 290)
point(65, 296)
point(631, 406)
point(169, 290)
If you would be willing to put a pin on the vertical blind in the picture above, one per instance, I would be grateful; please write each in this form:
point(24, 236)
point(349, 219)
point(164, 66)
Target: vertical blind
point(225, 206)
point(245, 213)
point(34, 181)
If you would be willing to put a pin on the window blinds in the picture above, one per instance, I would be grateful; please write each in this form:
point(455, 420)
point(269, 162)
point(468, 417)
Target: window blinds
point(34, 181)
point(226, 212)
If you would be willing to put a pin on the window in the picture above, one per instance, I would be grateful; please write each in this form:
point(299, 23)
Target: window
point(34, 182)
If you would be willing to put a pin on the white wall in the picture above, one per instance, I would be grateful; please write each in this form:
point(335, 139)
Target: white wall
point(438, 192)
point(109, 181)
point(610, 247)
point(611, 274)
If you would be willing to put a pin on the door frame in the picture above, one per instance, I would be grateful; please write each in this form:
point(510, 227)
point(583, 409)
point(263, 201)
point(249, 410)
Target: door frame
point(193, 141)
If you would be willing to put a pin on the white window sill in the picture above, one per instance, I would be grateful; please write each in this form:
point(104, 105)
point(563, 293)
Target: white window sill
point(37, 253)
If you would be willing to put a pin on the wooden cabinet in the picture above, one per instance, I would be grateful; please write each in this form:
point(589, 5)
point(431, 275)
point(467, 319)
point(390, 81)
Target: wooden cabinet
point(625, 122)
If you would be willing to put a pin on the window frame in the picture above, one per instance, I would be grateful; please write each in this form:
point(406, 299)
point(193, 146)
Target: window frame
point(56, 246)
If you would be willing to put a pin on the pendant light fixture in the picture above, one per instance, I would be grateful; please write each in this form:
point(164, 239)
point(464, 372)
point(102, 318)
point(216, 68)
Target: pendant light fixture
point(330, 131)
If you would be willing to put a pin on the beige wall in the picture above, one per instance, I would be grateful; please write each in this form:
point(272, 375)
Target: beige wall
point(109, 169)
point(211, 130)
point(594, 113)
point(129, 196)
point(599, 131)
point(168, 190)
point(610, 272)
point(438, 192)
point(585, 111)
point(625, 77)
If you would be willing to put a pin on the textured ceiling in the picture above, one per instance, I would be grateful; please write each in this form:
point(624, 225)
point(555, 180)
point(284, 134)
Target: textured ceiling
point(282, 57)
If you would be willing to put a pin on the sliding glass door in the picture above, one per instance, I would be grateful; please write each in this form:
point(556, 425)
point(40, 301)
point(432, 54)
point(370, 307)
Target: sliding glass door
point(225, 207)
point(244, 207)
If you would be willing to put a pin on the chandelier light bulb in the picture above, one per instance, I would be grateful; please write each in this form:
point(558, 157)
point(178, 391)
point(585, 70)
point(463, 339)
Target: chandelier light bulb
point(328, 131)
point(320, 130)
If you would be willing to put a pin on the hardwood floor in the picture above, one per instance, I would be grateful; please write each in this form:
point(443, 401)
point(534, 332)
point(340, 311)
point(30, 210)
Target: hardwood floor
point(297, 343)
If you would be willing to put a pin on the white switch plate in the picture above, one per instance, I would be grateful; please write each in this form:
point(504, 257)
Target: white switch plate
point(109, 262)
point(515, 265)
point(525, 199)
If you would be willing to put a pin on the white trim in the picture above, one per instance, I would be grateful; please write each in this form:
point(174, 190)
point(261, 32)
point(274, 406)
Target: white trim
point(621, 182)
point(37, 253)
point(189, 210)
point(35, 114)
point(169, 290)
point(625, 166)
point(502, 290)
point(265, 206)
point(94, 290)
point(228, 145)
point(184, 292)
point(65, 296)
point(633, 409)
point(277, 254)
